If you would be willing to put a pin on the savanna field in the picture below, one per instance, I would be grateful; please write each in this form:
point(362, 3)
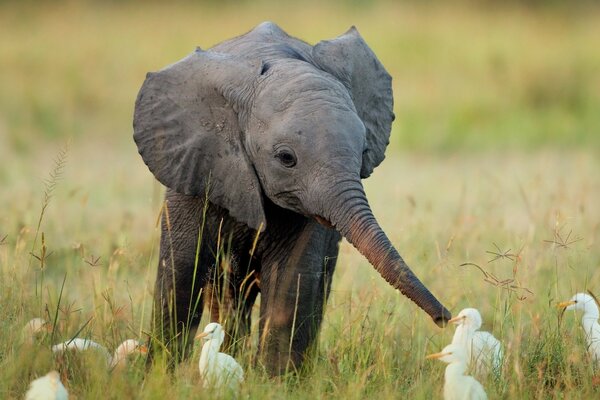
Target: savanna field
point(490, 191)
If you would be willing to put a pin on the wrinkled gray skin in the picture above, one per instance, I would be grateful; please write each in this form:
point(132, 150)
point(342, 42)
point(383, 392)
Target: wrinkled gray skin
point(277, 134)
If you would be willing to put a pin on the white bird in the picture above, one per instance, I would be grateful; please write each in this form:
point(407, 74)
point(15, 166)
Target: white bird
point(118, 358)
point(217, 369)
point(48, 387)
point(483, 350)
point(35, 328)
point(591, 329)
point(457, 385)
point(124, 350)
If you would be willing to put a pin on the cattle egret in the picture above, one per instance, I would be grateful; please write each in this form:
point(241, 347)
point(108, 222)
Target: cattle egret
point(129, 346)
point(34, 328)
point(591, 329)
point(483, 350)
point(457, 385)
point(124, 350)
point(217, 369)
point(48, 387)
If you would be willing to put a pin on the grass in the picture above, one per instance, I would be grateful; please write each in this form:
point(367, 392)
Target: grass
point(495, 152)
point(373, 340)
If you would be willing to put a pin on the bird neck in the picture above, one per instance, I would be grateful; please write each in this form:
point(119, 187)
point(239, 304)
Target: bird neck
point(454, 370)
point(588, 320)
point(461, 335)
point(210, 349)
point(590, 314)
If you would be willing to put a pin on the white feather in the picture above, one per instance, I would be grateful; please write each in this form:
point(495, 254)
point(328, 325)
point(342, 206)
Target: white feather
point(48, 387)
point(129, 346)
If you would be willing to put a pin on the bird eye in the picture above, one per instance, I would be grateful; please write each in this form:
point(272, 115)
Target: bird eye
point(286, 157)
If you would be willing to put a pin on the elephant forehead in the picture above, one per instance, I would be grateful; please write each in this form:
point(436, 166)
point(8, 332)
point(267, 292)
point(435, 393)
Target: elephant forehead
point(324, 120)
point(297, 84)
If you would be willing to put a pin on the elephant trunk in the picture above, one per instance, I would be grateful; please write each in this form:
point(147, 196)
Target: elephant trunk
point(351, 215)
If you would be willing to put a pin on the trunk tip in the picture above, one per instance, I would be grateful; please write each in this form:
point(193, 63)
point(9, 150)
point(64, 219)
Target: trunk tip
point(442, 319)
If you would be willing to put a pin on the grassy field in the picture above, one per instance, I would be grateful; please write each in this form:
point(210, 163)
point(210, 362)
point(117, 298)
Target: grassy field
point(495, 150)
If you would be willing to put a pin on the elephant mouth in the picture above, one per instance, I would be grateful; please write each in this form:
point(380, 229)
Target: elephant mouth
point(323, 221)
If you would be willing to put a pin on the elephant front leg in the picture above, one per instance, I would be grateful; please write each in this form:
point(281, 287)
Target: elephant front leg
point(181, 275)
point(294, 291)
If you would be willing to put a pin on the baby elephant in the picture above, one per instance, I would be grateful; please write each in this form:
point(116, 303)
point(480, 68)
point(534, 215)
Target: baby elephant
point(262, 142)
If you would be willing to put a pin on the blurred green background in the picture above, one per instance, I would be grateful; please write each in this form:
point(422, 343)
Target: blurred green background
point(467, 75)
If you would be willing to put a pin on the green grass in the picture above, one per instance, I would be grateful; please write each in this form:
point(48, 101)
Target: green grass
point(373, 340)
point(498, 127)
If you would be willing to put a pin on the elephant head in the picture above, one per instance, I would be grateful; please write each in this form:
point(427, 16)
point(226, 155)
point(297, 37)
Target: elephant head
point(268, 116)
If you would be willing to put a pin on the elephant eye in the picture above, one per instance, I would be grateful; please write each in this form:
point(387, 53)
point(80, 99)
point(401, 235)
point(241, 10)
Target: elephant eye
point(286, 157)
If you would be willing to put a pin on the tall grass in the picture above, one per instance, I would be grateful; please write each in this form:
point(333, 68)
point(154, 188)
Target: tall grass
point(373, 340)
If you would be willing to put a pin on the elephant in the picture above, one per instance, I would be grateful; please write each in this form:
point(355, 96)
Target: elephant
point(262, 142)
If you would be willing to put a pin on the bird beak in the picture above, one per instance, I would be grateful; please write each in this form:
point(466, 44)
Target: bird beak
point(201, 335)
point(435, 356)
point(143, 349)
point(566, 304)
point(456, 320)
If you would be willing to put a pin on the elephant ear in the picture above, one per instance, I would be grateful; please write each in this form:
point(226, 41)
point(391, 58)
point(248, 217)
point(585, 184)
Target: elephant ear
point(350, 60)
point(187, 132)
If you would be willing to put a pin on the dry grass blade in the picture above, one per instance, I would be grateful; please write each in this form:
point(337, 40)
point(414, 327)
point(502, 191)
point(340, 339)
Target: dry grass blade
point(80, 330)
point(69, 309)
point(501, 254)
point(44, 254)
point(485, 274)
point(49, 185)
point(93, 261)
point(594, 297)
point(563, 242)
point(509, 284)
